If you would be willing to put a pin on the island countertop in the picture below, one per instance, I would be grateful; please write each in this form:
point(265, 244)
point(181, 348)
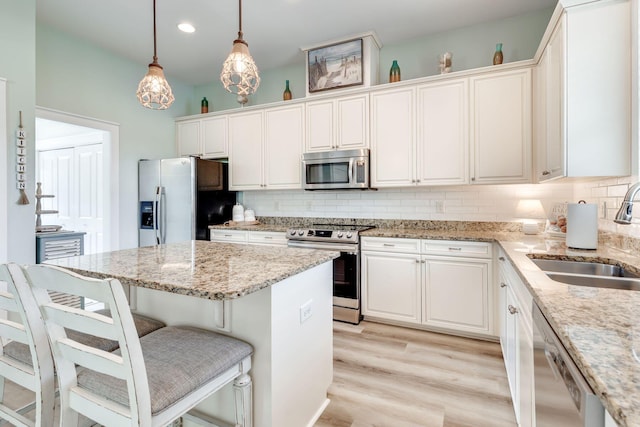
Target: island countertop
point(203, 269)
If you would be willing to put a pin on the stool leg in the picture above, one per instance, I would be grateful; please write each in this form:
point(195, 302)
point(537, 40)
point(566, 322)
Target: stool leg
point(242, 390)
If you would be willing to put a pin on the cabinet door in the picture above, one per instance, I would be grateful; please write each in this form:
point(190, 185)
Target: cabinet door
point(245, 153)
point(188, 138)
point(549, 110)
point(456, 294)
point(214, 137)
point(352, 122)
point(391, 286)
point(511, 352)
point(501, 127)
point(525, 372)
point(284, 132)
point(392, 138)
point(442, 143)
point(320, 131)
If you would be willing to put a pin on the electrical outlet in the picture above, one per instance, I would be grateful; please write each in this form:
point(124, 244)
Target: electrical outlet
point(440, 206)
point(306, 311)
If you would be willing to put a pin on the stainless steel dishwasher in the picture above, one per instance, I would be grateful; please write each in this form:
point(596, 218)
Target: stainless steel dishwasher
point(562, 395)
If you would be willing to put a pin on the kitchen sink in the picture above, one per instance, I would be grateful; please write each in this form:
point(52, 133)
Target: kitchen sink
point(577, 267)
point(590, 274)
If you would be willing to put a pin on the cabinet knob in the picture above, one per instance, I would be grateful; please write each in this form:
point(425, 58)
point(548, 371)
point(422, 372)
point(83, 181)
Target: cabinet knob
point(501, 258)
point(503, 285)
point(512, 309)
point(473, 178)
point(418, 181)
point(545, 173)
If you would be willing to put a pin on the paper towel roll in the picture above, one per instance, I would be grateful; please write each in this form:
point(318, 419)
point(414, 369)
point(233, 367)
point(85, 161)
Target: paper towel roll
point(582, 225)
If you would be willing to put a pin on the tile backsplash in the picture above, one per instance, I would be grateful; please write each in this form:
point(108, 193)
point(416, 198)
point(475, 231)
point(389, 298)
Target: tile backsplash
point(496, 203)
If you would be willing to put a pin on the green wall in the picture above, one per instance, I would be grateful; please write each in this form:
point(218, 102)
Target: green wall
point(472, 47)
point(18, 66)
point(76, 77)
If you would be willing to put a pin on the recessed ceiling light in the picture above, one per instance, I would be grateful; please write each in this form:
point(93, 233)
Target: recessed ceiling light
point(186, 27)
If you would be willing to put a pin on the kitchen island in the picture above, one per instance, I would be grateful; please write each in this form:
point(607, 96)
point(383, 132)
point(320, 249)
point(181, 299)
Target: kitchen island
point(277, 299)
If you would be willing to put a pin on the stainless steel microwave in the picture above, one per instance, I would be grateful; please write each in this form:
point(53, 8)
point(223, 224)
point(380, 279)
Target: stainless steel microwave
point(336, 170)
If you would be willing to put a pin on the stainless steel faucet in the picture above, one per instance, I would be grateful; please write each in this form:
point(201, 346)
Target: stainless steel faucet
point(624, 213)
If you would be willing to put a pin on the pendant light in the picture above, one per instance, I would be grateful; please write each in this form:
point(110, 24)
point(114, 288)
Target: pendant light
point(154, 91)
point(239, 73)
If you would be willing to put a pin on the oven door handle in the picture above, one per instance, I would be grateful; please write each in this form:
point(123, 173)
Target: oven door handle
point(351, 249)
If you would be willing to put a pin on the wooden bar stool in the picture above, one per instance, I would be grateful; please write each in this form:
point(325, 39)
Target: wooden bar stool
point(149, 381)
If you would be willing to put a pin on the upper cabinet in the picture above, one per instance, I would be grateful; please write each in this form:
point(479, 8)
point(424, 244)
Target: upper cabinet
point(266, 148)
point(501, 127)
point(419, 135)
point(583, 88)
point(206, 138)
point(337, 123)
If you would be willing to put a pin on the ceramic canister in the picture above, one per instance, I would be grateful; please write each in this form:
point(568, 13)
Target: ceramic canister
point(237, 213)
point(582, 225)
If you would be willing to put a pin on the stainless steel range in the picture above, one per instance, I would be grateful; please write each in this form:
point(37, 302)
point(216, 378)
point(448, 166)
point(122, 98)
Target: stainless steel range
point(346, 269)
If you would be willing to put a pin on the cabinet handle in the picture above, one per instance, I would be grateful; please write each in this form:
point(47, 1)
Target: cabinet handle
point(512, 309)
point(545, 173)
point(455, 249)
point(473, 178)
point(228, 235)
point(503, 285)
point(389, 245)
point(413, 181)
point(417, 181)
point(424, 261)
point(268, 237)
point(501, 258)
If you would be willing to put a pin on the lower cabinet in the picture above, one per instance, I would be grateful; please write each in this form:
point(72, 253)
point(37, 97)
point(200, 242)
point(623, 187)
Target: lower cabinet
point(516, 339)
point(244, 237)
point(403, 281)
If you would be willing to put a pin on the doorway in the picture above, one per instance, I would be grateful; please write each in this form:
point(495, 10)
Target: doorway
point(76, 163)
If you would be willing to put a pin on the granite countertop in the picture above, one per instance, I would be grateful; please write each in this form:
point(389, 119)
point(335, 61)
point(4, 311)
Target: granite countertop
point(199, 268)
point(600, 328)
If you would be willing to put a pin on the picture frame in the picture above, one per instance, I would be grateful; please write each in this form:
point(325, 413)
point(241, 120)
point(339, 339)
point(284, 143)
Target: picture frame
point(335, 66)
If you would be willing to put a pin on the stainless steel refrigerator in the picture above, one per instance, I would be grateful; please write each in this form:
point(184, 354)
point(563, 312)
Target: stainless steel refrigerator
point(179, 199)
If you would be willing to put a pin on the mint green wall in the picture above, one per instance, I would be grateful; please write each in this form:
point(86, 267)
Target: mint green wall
point(76, 77)
point(18, 66)
point(472, 47)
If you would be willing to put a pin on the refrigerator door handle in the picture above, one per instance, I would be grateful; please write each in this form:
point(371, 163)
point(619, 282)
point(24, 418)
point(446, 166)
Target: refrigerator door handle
point(158, 216)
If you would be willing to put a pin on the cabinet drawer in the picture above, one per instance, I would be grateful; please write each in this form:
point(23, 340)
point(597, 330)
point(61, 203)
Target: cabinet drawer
point(270, 238)
point(456, 247)
point(386, 244)
point(229, 236)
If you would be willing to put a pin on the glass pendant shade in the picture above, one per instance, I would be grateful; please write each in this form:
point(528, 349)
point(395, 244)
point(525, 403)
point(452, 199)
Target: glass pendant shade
point(154, 91)
point(239, 72)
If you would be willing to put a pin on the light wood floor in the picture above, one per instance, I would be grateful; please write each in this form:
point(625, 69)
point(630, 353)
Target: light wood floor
point(387, 376)
point(398, 377)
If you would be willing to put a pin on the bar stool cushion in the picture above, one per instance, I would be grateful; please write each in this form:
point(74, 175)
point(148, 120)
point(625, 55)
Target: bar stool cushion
point(144, 326)
point(178, 360)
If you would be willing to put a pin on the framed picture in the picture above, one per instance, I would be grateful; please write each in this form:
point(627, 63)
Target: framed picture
point(335, 66)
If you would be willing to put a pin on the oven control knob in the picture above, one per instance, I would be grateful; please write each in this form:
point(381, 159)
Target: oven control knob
point(300, 232)
point(339, 234)
point(292, 232)
point(349, 234)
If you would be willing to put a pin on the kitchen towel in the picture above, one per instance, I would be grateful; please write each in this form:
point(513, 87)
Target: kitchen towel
point(582, 225)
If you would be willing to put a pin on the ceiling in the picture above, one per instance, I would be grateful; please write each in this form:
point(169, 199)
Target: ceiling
point(274, 29)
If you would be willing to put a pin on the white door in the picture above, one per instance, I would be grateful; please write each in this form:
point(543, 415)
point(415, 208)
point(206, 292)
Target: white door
point(74, 177)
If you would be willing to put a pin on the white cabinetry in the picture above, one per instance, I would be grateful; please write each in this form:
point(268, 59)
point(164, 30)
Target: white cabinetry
point(443, 133)
point(337, 123)
point(245, 153)
point(266, 148)
point(584, 109)
point(501, 127)
point(393, 151)
point(516, 338)
point(410, 281)
point(206, 138)
point(264, 238)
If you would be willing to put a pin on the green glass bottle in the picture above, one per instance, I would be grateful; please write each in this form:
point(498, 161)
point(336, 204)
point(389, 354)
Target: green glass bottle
point(394, 73)
point(498, 57)
point(204, 105)
point(287, 92)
